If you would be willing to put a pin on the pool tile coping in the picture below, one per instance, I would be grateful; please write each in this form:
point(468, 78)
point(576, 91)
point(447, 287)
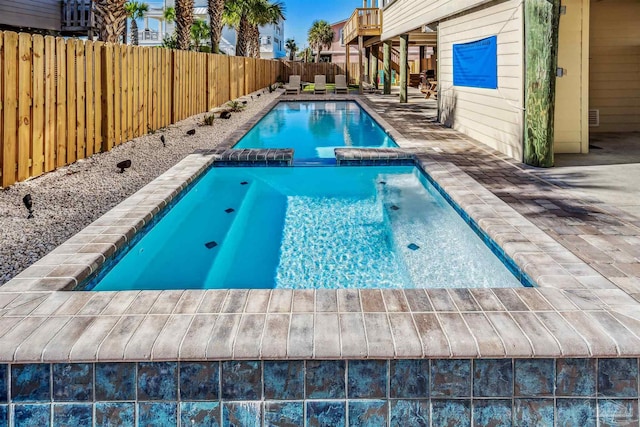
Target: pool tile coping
point(568, 315)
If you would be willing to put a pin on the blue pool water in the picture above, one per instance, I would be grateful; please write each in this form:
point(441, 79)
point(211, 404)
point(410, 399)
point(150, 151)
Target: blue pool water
point(331, 227)
point(315, 129)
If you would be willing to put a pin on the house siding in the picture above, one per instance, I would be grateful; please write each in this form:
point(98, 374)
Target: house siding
point(402, 16)
point(615, 65)
point(38, 14)
point(492, 116)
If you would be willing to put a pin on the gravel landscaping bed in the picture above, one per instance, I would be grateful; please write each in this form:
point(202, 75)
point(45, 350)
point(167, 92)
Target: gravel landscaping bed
point(70, 198)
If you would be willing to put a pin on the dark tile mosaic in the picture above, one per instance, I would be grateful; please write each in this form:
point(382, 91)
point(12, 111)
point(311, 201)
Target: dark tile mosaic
point(241, 380)
point(533, 412)
point(199, 380)
point(576, 412)
point(368, 413)
point(493, 378)
point(73, 382)
point(618, 377)
point(410, 413)
point(73, 415)
point(534, 377)
point(325, 379)
point(409, 378)
point(32, 415)
point(157, 380)
point(112, 414)
point(575, 377)
point(157, 414)
point(284, 380)
point(492, 412)
point(3, 384)
point(30, 383)
point(450, 413)
point(367, 379)
point(618, 412)
point(244, 414)
point(200, 414)
point(4, 416)
point(284, 414)
point(451, 378)
point(321, 414)
point(115, 381)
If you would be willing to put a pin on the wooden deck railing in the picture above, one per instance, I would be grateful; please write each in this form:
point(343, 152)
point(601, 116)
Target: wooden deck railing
point(363, 22)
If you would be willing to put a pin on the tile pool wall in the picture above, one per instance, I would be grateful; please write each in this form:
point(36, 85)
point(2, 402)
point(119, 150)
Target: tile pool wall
point(425, 392)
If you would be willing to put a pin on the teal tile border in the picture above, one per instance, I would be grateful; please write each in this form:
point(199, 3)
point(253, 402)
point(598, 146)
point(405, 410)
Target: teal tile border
point(334, 392)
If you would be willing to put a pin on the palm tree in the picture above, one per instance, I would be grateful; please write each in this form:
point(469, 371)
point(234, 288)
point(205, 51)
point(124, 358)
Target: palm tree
point(216, 10)
point(262, 13)
point(292, 48)
point(246, 16)
point(135, 10)
point(199, 31)
point(307, 54)
point(184, 21)
point(320, 35)
point(111, 19)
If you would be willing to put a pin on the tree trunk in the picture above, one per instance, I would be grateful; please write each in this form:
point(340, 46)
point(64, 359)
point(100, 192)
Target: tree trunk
point(216, 9)
point(134, 33)
point(110, 19)
point(184, 21)
point(254, 41)
point(241, 39)
point(318, 55)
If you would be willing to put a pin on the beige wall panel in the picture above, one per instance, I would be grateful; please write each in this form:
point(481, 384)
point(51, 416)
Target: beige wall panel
point(492, 116)
point(615, 65)
point(406, 15)
point(571, 133)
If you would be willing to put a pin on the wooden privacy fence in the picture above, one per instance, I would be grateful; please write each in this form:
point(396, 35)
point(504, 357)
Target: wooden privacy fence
point(64, 100)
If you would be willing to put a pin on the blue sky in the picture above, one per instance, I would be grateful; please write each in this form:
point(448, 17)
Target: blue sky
point(300, 14)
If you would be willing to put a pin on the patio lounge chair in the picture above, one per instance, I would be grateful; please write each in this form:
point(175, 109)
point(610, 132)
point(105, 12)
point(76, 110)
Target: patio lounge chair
point(294, 86)
point(341, 84)
point(320, 85)
point(368, 87)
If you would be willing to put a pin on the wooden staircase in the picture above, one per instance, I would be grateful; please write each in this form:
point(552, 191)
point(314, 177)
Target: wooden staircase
point(395, 58)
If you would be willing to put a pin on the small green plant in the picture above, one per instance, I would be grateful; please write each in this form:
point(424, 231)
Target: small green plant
point(208, 120)
point(235, 106)
point(270, 88)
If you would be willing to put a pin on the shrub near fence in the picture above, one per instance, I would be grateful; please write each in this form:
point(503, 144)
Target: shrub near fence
point(64, 100)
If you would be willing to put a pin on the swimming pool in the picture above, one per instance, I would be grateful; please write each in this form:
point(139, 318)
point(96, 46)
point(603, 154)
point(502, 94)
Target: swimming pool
point(315, 129)
point(331, 227)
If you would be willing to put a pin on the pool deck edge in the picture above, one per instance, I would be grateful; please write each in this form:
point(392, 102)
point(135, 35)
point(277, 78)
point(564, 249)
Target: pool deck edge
point(569, 315)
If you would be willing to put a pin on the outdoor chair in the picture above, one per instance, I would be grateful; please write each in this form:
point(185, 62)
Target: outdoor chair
point(341, 84)
point(293, 87)
point(430, 89)
point(320, 84)
point(368, 87)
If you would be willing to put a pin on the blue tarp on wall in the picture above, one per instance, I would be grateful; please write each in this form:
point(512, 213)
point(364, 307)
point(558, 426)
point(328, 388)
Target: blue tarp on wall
point(475, 64)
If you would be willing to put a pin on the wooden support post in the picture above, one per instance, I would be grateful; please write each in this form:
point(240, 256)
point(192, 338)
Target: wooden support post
point(360, 67)
point(346, 64)
point(367, 60)
point(404, 67)
point(373, 68)
point(387, 67)
point(541, 20)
